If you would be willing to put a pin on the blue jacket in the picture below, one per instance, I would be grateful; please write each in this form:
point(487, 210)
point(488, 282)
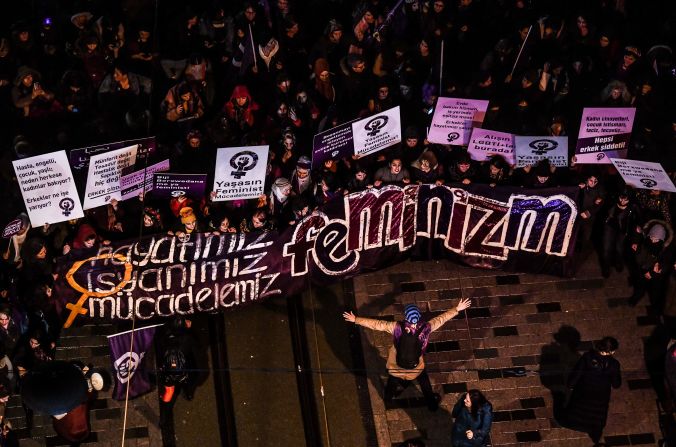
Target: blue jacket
point(481, 426)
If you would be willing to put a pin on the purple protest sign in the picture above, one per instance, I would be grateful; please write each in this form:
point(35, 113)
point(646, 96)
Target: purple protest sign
point(12, 228)
point(333, 144)
point(454, 119)
point(167, 185)
point(131, 185)
point(604, 134)
point(128, 361)
point(486, 143)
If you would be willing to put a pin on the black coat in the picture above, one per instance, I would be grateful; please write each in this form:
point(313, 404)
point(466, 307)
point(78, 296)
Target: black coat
point(591, 381)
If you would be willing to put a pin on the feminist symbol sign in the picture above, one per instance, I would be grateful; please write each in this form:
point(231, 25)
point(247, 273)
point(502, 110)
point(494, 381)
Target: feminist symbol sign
point(76, 308)
point(542, 146)
point(376, 124)
point(648, 183)
point(67, 205)
point(126, 364)
point(452, 136)
point(243, 161)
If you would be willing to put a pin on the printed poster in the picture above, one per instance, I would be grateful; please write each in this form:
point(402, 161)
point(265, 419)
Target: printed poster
point(530, 150)
point(240, 172)
point(333, 144)
point(169, 184)
point(79, 158)
point(454, 120)
point(48, 188)
point(486, 143)
point(103, 179)
point(643, 174)
point(377, 132)
point(604, 134)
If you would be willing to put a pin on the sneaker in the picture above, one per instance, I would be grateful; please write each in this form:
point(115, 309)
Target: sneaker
point(97, 381)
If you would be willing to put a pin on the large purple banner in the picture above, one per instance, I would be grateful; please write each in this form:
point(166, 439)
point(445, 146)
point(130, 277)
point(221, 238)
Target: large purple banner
point(160, 276)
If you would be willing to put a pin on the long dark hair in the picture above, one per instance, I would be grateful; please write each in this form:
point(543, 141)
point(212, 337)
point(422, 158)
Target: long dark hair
point(478, 401)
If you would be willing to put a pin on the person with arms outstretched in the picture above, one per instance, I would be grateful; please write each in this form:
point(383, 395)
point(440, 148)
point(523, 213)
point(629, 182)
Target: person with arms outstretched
point(405, 361)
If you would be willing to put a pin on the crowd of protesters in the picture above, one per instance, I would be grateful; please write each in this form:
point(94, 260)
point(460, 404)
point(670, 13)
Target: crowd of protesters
point(216, 74)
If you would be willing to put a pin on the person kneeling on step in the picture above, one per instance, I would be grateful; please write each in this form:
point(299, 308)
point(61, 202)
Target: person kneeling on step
point(405, 360)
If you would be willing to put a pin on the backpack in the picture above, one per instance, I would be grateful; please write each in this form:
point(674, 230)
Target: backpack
point(409, 349)
point(174, 366)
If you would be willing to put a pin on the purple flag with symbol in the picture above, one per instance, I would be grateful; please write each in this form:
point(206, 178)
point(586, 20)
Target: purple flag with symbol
point(128, 364)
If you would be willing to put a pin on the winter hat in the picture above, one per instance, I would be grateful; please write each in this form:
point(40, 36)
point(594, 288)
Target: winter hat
point(412, 314)
point(187, 215)
point(657, 232)
point(282, 183)
point(332, 27)
point(304, 162)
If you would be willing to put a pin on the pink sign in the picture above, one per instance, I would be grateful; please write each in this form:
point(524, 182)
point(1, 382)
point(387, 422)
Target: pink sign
point(486, 143)
point(454, 119)
point(604, 134)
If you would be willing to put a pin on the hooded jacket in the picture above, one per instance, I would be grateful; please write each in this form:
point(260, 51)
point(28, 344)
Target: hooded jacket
point(22, 96)
point(243, 115)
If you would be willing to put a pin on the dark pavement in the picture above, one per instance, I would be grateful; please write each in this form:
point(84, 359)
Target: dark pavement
point(522, 327)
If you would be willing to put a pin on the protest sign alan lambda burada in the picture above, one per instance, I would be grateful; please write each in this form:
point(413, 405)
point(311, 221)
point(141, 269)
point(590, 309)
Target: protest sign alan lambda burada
point(103, 179)
point(240, 172)
point(604, 134)
point(485, 143)
point(48, 188)
point(454, 120)
point(643, 174)
point(159, 276)
point(359, 137)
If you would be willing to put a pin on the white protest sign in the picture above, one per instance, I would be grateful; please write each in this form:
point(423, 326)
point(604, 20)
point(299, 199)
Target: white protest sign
point(485, 143)
point(454, 119)
point(377, 132)
point(131, 184)
point(48, 188)
point(643, 174)
point(240, 172)
point(530, 150)
point(103, 178)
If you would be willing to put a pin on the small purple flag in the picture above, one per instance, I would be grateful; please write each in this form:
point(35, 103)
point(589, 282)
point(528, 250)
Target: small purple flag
point(129, 366)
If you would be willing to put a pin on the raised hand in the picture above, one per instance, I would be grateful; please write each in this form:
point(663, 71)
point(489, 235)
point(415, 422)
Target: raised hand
point(349, 316)
point(464, 303)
